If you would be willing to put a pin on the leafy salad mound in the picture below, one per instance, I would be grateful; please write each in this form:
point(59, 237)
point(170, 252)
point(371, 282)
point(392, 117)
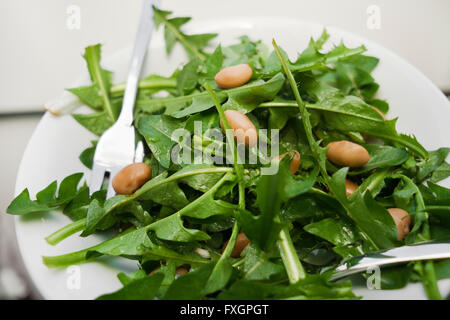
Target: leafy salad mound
point(301, 226)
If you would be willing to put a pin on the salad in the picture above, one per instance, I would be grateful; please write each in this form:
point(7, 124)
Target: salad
point(261, 175)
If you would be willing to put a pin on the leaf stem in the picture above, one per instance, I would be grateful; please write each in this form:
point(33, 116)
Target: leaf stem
point(239, 172)
point(118, 90)
point(230, 138)
point(180, 36)
point(303, 112)
point(290, 258)
point(66, 231)
point(96, 73)
point(429, 279)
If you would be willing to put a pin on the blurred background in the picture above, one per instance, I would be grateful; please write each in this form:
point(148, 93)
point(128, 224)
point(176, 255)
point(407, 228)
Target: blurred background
point(41, 50)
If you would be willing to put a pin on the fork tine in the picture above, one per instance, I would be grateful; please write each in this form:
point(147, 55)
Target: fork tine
point(97, 177)
point(111, 192)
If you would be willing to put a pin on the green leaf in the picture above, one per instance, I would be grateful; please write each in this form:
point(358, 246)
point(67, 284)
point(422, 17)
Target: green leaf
point(421, 229)
point(251, 95)
point(22, 204)
point(381, 157)
point(335, 231)
point(263, 229)
point(193, 44)
point(214, 63)
point(97, 213)
point(403, 193)
point(342, 52)
point(311, 58)
point(369, 216)
point(164, 191)
point(89, 95)
point(244, 98)
point(127, 279)
point(436, 158)
point(219, 276)
point(172, 228)
point(257, 265)
point(77, 208)
point(97, 123)
point(87, 156)
point(395, 277)
point(101, 81)
point(253, 53)
point(200, 182)
point(188, 77)
point(441, 173)
point(140, 289)
point(168, 194)
point(313, 287)
point(130, 242)
point(189, 286)
point(157, 131)
point(442, 269)
point(294, 188)
point(46, 199)
point(350, 113)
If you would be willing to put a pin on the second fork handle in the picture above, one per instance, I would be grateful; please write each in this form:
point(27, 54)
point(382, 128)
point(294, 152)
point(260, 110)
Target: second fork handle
point(137, 60)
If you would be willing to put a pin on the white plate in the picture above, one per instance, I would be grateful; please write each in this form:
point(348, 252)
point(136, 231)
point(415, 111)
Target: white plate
point(53, 150)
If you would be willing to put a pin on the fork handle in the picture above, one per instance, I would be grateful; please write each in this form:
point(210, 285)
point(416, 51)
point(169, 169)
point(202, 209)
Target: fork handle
point(137, 60)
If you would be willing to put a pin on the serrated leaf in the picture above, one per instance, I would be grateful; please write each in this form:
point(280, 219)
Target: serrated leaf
point(157, 131)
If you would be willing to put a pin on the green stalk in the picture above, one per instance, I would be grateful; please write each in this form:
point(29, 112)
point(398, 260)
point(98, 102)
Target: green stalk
point(68, 259)
point(96, 74)
point(118, 90)
point(303, 112)
point(66, 231)
point(426, 268)
point(437, 208)
point(429, 279)
point(288, 253)
point(239, 173)
point(294, 268)
point(237, 167)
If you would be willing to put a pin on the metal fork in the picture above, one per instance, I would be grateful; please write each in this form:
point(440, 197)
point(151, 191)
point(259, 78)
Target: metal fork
point(116, 147)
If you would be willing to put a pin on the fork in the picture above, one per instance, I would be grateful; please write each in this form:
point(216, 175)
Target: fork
point(429, 250)
point(116, 147)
